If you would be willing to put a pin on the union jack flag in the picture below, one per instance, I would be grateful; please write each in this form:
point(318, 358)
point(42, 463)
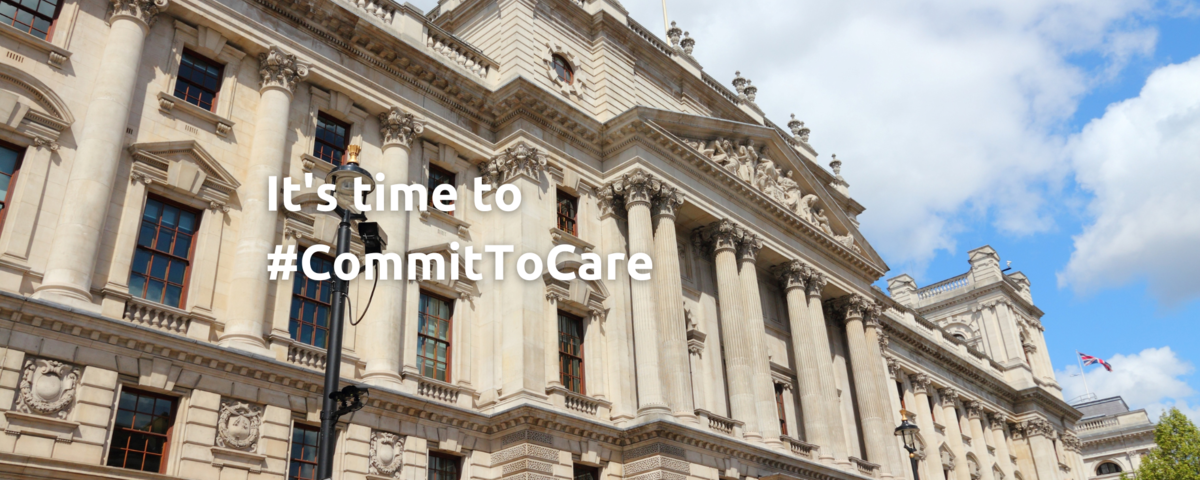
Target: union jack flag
point(1090, 360)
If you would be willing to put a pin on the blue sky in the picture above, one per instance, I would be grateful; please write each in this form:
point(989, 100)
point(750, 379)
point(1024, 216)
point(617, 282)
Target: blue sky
point(1063, 133)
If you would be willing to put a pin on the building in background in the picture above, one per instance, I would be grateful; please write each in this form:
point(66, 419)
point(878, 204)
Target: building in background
point(1114, 439)
point(141, 335)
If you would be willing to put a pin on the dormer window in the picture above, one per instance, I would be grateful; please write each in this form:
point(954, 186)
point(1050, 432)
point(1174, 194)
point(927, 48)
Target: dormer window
point(563, 68)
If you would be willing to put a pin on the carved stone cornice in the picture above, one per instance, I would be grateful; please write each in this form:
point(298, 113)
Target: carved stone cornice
point(666, 201)
point(719, 235)
point(398, 127)
point(791, 274)
point(145, 11)
point(279, 69)
point(516, 161)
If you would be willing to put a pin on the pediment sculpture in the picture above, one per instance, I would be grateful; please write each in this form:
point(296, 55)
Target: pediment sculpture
point(386, 455)
point(238, 425)
point(47, 388)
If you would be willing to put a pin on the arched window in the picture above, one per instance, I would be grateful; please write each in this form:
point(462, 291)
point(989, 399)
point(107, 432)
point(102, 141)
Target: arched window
point(565, 73)
point(960, 337)
point(1107, 468)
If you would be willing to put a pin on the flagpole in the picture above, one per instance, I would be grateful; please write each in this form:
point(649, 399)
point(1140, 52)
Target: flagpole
point(1079, 358)
point(666, 25)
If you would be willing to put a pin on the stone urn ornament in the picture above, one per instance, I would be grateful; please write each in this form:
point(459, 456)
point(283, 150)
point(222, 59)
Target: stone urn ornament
point(387, 454)
point(238, 426)
point(47, 388)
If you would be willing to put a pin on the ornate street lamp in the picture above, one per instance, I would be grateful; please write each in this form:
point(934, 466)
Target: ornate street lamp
point(339, 402)
point(908, 433)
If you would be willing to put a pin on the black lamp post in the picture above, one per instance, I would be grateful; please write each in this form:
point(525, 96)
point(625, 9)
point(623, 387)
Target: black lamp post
point(908, 432)
point(339, 402)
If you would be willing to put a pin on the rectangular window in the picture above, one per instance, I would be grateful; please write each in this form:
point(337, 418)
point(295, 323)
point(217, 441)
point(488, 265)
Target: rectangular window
point(10, 164)
point(442, 467)
point(199, 80)
point(570, 352)
point(567, 209)
point(164, 253)
point(439, 176)
point(584, 472)
point(35, 17)
point(303, 463)
point(779, 407)
point(932, 410)
point(332, 139)
point(142, 431)
point(900, 389)
point(433, 337)
point(308, 321)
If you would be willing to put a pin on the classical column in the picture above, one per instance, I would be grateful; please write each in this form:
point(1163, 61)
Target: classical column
point(815, 283)
point(804, 345)
point(722, 237)
point(876, 342)
point(998, 423)
point(72, 258)
point(978, 440)
point(383, 333)
point(921, 386)
point(764, 385)
point(1039, 434)
point(268, 153)
point(953, 427)
point(672, 327)
point(623, 388)
point(639, 188)
point(867, 392)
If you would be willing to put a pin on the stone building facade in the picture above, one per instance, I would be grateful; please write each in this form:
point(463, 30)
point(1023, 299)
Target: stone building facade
point(143, 339)
point(1113, 438)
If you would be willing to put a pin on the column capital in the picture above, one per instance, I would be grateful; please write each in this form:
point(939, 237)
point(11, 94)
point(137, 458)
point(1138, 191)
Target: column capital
point(893, 366)
point(399, 128)
point(921, 383)
point(791, 274)
point(853, 306)
point(749, 246)
point(520, 159)
point(666, 201)
point(816, 282)
point(279, 69)
point(997, 420)
point(143, 11)
point(719, 235)
point(974, 409)
point(637, 187)
point(948, 396)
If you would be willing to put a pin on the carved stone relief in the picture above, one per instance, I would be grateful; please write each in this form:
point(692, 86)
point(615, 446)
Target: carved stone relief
point(386, 455)
point(238, 425)
point(47, 388)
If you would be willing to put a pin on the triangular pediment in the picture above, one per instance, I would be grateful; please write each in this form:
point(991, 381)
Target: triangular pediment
point(184, 165)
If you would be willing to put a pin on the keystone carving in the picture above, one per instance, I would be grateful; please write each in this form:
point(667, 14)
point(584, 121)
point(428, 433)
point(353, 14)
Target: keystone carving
point(47, 388)
point(280, 69)
point(386, 455)
point(399, 127)
point(238, 425)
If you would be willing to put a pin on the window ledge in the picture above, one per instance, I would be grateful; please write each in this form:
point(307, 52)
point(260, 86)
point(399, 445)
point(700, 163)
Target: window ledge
point(461, 225)
point(26, 424)
point(319, 168)
point(560, 236)
point(167, 104)
point(57, 56)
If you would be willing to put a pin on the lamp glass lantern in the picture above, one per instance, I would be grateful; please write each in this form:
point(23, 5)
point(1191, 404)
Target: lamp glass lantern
point(908, 433)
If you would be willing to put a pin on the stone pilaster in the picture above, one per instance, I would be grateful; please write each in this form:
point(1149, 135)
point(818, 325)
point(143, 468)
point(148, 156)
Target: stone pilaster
point(639, 189)
point(382, 334)
point(722, 238)
point(763, 385)
point(72, 258)
point(280, 72)
point(672, 327)
point(853, 309)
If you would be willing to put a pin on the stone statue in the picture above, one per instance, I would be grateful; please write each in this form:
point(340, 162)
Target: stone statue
point(766, 178)
point(790, 192)
point(805, 208)
point(746, 156)
point(820, 219)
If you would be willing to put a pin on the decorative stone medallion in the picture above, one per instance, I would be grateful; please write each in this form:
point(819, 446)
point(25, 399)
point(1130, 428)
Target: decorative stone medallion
point(387, 454)
point(238, 425)
point(47, 388)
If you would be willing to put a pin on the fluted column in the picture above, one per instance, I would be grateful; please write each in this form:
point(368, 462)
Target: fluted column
point(815, 283)
point(672, 328)
point(921, 386)
point(382, 334)
point(853, 309)
point(764, 385)
point(953, 426)
point(722, 238)
point(72, 258)
point(1039, 433)
point(639, 188)
point(248, 288)
point(804, 346)
point(978, 440)
point(998, 424)
point(876, 342)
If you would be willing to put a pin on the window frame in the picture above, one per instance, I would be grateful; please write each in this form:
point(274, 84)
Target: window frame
point(562, 66)
point(53, 19)
point(782, 412)
point(318, 142)
point(564, 357)
point(297, 427)
point(449, 341)
point(1114, 465)
point(586, 469)
point(430, 470)
point(164, 457)
point(315, 301)
point(189, 260)
point(12, 180)
point(565, 197)
point(216, 94)
point(452, 178)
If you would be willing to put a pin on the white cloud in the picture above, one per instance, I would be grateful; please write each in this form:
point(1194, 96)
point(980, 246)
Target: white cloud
point(1142, 162)
point(1152, 379)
